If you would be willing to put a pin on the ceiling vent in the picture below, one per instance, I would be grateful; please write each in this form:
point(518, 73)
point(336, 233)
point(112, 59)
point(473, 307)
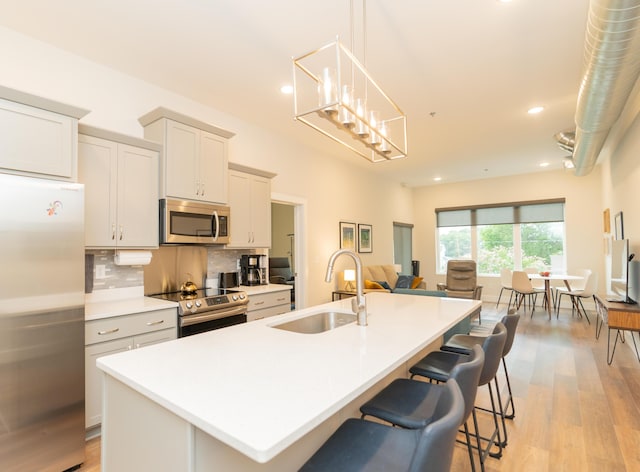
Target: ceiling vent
point(566, 140)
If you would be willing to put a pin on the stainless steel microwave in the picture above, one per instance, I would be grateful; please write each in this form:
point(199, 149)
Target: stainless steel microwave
point(187, 222)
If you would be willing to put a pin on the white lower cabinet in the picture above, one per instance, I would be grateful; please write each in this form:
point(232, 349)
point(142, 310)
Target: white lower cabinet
point(263, 305)
point(117, 334)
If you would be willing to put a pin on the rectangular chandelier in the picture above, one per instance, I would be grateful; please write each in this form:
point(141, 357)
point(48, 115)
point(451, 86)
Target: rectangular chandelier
point(335, 95)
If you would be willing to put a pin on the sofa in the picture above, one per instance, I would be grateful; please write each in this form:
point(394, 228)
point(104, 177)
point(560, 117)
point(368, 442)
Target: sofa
point(383, 278)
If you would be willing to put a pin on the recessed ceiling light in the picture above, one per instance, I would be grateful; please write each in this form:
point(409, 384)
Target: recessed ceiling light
point(535, 110)
point(544, 164)
point(287, 89)
point(437, 179)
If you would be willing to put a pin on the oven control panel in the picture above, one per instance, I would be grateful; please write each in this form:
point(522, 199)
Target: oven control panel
point(212, 303)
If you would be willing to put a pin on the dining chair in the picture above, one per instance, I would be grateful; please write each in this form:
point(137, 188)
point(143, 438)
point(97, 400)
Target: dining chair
point(577, 295)
point(537, 284)
point(523, 289)
point(575, 286)
point(359, 445)
point(505, 282)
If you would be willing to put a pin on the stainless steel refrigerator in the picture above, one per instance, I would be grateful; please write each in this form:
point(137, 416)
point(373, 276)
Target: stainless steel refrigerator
point(41, 324)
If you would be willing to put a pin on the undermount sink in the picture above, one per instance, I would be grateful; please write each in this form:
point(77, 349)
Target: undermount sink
point(318, 322)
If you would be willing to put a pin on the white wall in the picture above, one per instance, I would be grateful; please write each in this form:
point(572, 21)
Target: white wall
point(335, 189)
point(583, 216)
point(619, 160)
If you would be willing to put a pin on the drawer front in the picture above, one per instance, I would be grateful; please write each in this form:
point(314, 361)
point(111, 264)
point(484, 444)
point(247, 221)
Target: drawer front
point(155, 337)
point(116, 327)
point(267, 312)
point(266, 300)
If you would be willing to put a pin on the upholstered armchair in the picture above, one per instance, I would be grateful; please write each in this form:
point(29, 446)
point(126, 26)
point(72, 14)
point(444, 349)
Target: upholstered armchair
point(461, 280)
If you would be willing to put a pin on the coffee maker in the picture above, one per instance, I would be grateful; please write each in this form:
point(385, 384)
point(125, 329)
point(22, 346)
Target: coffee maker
point(253, 269)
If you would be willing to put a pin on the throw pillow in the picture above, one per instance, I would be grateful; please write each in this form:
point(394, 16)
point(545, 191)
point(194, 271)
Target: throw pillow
point(371, 284)
point(404, 281)
point(383, 284)
point(416, 282)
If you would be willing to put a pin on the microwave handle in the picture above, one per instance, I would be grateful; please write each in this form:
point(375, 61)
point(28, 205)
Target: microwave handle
point(216, 226)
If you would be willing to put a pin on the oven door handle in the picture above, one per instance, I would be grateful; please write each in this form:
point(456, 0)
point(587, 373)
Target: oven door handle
point(186, 320)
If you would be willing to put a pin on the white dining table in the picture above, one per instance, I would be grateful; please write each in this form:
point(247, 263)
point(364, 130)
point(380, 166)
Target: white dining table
point(547, 284)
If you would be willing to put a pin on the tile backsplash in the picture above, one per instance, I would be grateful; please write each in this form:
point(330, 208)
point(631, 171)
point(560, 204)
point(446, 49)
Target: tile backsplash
point(114, 276)
point(103, 274)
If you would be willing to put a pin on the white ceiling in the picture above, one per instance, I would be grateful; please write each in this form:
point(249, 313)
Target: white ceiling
point(478, 64)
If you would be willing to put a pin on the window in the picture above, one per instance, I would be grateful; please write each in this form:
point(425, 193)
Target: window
point(514, 235)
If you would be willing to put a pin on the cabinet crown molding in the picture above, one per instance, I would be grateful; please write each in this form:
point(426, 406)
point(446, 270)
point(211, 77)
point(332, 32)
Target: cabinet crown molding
point(251, 170)
point(162, 112)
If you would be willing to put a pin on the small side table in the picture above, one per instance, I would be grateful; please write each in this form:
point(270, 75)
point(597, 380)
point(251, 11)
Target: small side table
point(340, 294)
point(619, 316)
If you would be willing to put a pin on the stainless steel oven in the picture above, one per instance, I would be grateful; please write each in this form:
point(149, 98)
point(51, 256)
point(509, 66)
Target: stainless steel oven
point(208, 309)
point(187, 222)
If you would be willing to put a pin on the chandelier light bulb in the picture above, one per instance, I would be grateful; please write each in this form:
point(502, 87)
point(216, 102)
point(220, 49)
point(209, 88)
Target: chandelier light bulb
point(346, 102)
point(328, 91)
point(362, 129)
point(374, 120)
point(385, 147)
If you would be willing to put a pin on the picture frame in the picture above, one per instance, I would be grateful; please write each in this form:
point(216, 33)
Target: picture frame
point(619, 225)
point(365, 238)
point(347, 235)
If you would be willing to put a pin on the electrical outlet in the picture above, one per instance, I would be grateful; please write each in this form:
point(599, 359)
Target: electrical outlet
point(100, 271)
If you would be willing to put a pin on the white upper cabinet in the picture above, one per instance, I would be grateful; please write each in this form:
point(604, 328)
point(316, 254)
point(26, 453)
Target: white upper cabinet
point(38, 137)
point(120, 174)
point(194, 165)
point(250, 202)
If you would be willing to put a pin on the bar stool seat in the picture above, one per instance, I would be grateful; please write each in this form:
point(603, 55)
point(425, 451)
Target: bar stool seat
point(359, 445)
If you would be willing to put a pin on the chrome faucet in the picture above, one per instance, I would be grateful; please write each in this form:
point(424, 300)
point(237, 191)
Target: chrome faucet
point(358, 304)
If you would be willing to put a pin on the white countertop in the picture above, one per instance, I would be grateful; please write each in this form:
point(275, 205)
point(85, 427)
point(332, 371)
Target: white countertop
point(118, 302)
point(259, 389)
point(259, 289)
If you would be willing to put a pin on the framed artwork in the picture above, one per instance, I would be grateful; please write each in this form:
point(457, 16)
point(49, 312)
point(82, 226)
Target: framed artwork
point(619, 226)
point(365, 241)
point(347, 235)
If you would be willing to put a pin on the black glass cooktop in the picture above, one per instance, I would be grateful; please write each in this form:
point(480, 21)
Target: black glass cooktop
point(200, 293)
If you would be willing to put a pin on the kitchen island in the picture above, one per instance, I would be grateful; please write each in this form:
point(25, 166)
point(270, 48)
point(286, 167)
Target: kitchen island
point(252, 397)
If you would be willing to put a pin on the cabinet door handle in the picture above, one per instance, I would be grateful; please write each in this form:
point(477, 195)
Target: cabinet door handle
point(281, 299)
point(153, 323)
point(121, 231)
point(108, 331)
point(259, 303)
point(113, 231)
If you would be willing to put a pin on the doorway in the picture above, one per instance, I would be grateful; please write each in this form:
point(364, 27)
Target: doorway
point(402, 247)
point(287, 240)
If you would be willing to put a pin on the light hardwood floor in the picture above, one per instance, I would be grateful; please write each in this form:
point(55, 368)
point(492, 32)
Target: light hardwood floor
point(573, 411)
